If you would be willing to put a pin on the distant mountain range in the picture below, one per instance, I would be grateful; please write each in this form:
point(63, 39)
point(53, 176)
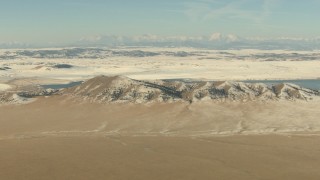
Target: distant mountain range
point(214, 41)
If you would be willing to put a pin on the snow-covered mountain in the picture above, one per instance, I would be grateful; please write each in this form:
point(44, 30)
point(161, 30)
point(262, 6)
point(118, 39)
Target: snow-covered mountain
point(123, 89)
point(119, 89)
point(216, 40)
point(220, 41)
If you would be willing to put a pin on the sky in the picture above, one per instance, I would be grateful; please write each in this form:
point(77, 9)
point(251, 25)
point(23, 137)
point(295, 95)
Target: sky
point(61, 21)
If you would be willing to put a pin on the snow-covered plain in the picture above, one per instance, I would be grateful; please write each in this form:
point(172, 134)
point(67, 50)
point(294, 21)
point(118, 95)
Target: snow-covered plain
point(159, 63)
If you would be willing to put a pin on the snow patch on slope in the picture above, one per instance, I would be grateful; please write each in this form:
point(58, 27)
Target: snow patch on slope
point(4, 87)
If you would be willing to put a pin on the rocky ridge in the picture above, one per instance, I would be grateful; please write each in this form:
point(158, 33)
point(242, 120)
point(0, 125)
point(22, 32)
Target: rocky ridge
point(122, 89)
point(119, 89)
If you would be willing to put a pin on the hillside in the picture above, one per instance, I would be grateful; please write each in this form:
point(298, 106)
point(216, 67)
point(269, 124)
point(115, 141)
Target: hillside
point(123, 89)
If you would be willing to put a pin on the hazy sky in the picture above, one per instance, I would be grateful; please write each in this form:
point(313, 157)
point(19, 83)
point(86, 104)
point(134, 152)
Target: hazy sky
point(39, 21)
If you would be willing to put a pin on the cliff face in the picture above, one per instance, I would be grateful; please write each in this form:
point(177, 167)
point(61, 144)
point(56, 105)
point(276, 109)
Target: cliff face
point(123, 89)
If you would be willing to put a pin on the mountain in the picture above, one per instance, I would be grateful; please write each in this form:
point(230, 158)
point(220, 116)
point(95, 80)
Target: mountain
point(122, 89)
point(219, 41)
point(214, 41)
